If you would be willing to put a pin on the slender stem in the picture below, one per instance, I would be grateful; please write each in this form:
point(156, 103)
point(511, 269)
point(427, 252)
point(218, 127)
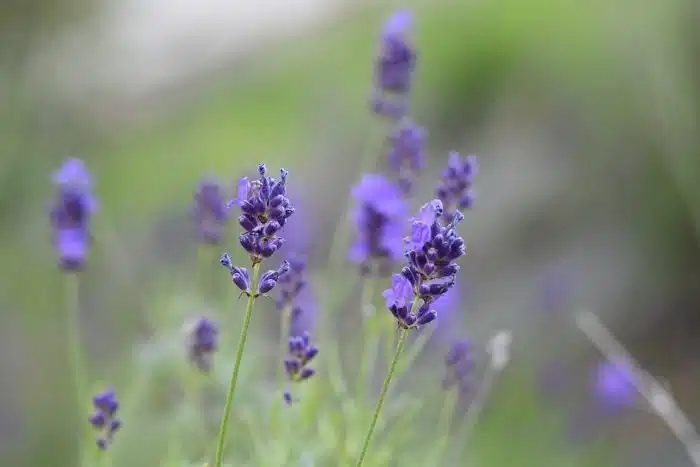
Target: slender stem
point(236, 366)
point(385, 389)
point(72, 289)
point(372, 334)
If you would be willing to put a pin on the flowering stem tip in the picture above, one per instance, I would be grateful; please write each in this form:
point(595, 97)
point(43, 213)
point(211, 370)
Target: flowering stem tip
point(236, 367)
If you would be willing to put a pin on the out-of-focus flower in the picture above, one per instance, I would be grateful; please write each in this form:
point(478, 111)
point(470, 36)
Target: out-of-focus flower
point(459, 365)
point(104, 418)
point(202, 341)
point(379, 218)
point(395, 63)
point(71, 212)
point(407, 153)
point(455, 189)
point(301, 353)
point(209, 212)
point(613, 386)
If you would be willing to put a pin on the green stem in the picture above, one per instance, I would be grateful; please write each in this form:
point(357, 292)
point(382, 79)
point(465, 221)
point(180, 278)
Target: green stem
point(236, 366)
point(75, 347)
point(372, 334)
point(385, 389)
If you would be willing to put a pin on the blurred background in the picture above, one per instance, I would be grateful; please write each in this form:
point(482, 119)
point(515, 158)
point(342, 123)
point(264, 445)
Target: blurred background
point(584, 116)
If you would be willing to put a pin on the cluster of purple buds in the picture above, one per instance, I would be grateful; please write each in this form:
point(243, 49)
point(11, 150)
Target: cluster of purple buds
point(431, 269)
point(455, 189)
point(459, 365)
point(379, 219)
point(209, 212)
point(70, 214)
point(407, 153)
point(241, 278)
point(264, 212)
point(301, 353)
point(394, 66)
point(202, 341)
point(104, 419)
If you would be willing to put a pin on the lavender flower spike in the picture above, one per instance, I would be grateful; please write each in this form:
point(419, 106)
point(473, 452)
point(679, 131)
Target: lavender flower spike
point(301, 353)
point(209, 212)
point(455, 189)
point(395, 63)
point(378, 219)
point(70, 215)
point(202, 341)
point(614, 386)
point(264, 212)
point(407, 153)
point(104, 419)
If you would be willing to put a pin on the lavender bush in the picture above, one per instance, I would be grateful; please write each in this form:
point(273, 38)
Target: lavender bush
point(314, 411)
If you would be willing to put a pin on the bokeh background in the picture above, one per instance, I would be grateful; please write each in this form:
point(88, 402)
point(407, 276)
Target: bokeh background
point(585, 119)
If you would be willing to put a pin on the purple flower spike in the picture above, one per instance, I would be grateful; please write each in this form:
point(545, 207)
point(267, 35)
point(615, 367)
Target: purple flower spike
point(614, 386)
point(104, 419)
point(70, 214)
point(209, 212)
point(202, 341)
point(455, 189)
point(301, 353)
point(407, 154)
point(396, 61)
point(379, 218)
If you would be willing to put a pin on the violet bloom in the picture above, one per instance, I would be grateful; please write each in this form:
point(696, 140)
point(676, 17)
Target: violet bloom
point(202, 341)
point(209, 212)
point(395, 63)
point(613, 386)
point(459, 365)
point(407, 153)
point(104, 419)
point(70, 214)
point(378, 218)
point(455, 189)
point(301, 353)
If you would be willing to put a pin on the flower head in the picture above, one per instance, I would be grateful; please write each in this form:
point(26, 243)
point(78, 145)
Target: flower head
point(301, 353)
point(459, 365)
point(202, 340)
point(394, 66)
point(455, 189)
point(265, 210)
point(378, 219)
point(70, 215)
point(104, 418)
point(614, 386)
point(209, 212)
point(407, 153)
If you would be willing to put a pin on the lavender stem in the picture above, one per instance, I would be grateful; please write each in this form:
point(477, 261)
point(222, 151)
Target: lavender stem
point(236, 366)
point(75, 347)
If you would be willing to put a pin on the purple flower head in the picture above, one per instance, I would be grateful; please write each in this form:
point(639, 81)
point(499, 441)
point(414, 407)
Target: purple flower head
point(104, 418)
point(614, 386)
point(241, 278)
point(378, 218)
point(209, 212)
point(459, 365)
point(265, 210)
point(455, 188)
point(407, 153)
point(399, 300)
point(296, 363)
point(202, 341)
point(70, 214)
point(401, 292)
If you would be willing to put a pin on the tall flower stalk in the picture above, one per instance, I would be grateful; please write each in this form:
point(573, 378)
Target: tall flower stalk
point(264, 212)
point(432, 249)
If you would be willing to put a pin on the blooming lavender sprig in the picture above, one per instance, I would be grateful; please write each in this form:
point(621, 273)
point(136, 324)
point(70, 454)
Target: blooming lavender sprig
point(378, 219)
point(71, 213)
point(394, 66)
point(202, 341)
point(209, 212)
point(459, 365)
point(407, 153)
point(455, 188)
point(104, 418)
point(264, 212)
point(241, 278)
point(301, 353)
